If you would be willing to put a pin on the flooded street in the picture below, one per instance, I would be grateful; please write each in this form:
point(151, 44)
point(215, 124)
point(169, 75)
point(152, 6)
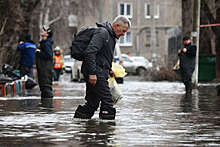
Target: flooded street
point(151, 113)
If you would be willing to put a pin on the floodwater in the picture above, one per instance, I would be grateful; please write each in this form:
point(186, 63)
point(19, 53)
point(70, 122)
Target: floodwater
point(150, 114)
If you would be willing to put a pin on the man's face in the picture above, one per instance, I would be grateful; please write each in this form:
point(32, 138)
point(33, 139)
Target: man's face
point(120, 29)
point(186, 42)
point(57, 53)
point(44, 33)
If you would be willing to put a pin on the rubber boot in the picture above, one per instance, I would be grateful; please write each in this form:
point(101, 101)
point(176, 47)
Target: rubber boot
point(83, 112)
point(107, 113)
point(46, 94)
point(47, 102)
point(188, 91)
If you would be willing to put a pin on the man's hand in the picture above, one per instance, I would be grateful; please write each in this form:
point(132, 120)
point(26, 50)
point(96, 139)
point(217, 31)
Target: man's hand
point(92, 79)
point(21, 42)
point(179, 51)
point(111, 73)
point(184, 50)
point(37, 50)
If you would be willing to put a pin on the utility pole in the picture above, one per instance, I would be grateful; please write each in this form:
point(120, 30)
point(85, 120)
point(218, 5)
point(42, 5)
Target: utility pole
point(100, 10)
point(153, 31)
point(138, 26)
point(195, 34)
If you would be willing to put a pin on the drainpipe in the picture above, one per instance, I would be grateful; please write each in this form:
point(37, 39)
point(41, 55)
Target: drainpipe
point(100, 10)
point(138, 31)
point(195, 34)
point(153, 32)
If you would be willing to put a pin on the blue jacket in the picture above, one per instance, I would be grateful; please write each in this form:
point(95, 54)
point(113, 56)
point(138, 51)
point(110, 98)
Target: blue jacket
point(27, 53)
point(46, 51)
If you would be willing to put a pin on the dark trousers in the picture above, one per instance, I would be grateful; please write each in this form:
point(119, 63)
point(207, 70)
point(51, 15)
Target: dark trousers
point(96, 94)
point(187, 79)
point(45, 76)
point(24, 70)
point(57, 74)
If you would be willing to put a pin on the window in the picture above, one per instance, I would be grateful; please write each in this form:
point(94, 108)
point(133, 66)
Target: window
point(157, 12)
point(125, 9)
point(157, 38)
point(126, 39)
point(148, 38)
point(147, 11)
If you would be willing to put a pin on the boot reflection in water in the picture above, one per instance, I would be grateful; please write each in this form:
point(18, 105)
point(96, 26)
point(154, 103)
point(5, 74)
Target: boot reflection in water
point(47, 102)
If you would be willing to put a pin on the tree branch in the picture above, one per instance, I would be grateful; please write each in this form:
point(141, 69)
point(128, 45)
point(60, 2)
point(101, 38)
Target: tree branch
point(3, 26)
point(36, 4)
point(210, 17)
point(56, 19)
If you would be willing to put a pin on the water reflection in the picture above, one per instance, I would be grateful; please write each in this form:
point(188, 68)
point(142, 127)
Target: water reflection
point(30, 105)
point(47, 103)
point(97, 133)
point(57, 89)
point(19, 105)
point(186, 103)
point(148, 115)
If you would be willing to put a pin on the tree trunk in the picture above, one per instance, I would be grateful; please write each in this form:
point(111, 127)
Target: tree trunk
point(218, 58)
point(217, 33)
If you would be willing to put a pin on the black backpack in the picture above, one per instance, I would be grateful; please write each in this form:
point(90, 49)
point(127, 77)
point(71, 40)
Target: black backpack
point(81, 42)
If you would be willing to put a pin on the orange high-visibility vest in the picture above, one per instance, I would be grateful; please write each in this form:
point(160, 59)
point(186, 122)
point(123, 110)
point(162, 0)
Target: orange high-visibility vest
point(57, 62)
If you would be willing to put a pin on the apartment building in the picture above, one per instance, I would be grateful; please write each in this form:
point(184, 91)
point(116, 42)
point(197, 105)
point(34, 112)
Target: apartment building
point(156, 26)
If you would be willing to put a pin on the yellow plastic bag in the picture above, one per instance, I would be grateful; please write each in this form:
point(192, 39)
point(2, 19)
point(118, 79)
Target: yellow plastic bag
point(115, 89)
point(118, 70)
point(177, 66)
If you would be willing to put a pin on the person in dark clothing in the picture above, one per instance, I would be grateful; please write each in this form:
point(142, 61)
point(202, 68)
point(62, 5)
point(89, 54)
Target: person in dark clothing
point(96, 69)
point(187, 63)
point(44, 63)
point(27, 49)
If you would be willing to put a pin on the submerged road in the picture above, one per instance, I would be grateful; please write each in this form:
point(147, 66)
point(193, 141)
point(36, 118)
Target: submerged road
point(150, 114)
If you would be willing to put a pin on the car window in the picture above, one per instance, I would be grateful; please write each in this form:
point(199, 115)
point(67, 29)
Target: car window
point(68, 60)
point(124, 58)
point(140, 60)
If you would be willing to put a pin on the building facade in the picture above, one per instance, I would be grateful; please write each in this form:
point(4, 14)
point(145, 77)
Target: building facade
point(156, 26)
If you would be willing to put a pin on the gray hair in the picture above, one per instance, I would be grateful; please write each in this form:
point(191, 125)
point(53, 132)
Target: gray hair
point(122, 19)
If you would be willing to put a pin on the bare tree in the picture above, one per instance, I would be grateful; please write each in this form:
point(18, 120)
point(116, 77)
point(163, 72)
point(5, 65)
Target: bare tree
point(216, 30)
point(18, 17)
point(3, 26)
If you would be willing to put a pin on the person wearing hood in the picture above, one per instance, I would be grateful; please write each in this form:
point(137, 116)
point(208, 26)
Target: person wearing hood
point(96, 69)
point(187, 63)
point(44, 63)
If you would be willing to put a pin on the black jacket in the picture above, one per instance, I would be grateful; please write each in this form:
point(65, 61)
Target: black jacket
point(99, 54)
point(187, 59)
point(46, 51)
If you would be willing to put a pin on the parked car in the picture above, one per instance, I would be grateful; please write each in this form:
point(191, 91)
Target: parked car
point(135, 64)
point(68, 63)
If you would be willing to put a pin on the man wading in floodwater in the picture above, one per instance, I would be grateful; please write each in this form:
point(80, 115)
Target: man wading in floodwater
point(96, 68)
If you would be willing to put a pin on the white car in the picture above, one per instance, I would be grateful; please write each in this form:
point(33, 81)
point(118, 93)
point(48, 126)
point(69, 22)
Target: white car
point(68, 63)
point(135, 64)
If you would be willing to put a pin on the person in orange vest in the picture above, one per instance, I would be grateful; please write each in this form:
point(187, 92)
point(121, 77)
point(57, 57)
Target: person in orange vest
point(58, 63)
point(129, 54)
